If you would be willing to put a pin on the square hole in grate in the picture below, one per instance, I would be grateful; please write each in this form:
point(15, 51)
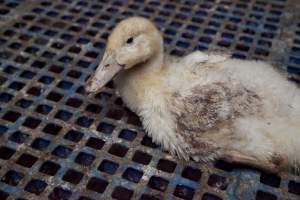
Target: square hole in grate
point(65, 85)
point(12, 177)
point(151, 197)
point(74, 49)
point(46, 80)
point(50, 33)
point(99, 45)
point(158, 183)
point(62, 151)
point(49, 168)
point(74, 74)
point(108, 166)
point(27, 160)
point(141, 157)
point(16, 85)
point(6, 153)
point(5, 97)
point(104, 96)
point(83, 63)
point(11, 116)
point(52, 129)
point(3, 129)
point(73, 176)
point(85, 198)
point(84, 121)
point(118, 150)
point(19, 137)
point(91, 54)
point(115, 114)
point(6, 55)
point(294, 187)
point(35, 91)
point(10, 69)
point(32, 50)
point(218, 181)
point(260, 195)
point(105, 128)
point(85, 159)
point(83, 40)
point(27, 74)
point(58, 45)
point(74, 136)
point(95, 143)
point(133, 119)
point(132, 175)
point(24, 103)
point(119, 101)
point(191, 173)
point(122, 193)
point(97, 184)
point(127, 134)
point(40, 144)
point(56, 69)
point(63, 115)
point(147, 141)
point(2, 80)
point(15, 45)
point(184, 192)
point(166, 165)
point(60, 193)
point(93, 108)
point(31, 122)
point(35, 186)
point(54, 96)
point(270, 179)
point(220, 164)
point(208, 196)
point(74, 102)
point(48, 54)
point(3, 195)
point(38, 64)
point(81, 90)
point(43, 109)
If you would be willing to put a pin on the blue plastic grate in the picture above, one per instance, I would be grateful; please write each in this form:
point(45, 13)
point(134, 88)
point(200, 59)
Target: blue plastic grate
point(58, 143)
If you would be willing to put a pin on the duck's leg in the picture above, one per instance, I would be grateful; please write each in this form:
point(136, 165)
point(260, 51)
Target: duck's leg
point(276, 164)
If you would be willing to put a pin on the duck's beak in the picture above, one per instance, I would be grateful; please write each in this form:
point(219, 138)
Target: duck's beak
point(106, 70)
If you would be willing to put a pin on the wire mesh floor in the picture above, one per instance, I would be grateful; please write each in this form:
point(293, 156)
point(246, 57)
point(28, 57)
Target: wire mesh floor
point(58, 143)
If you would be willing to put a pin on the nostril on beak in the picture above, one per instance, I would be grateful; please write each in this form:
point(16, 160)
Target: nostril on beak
point(106, 66)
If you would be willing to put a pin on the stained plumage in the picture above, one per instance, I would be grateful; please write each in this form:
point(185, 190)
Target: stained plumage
point(205, 106)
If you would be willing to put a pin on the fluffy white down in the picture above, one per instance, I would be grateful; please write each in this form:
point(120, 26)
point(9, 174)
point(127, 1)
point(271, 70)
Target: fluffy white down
point(279, 131)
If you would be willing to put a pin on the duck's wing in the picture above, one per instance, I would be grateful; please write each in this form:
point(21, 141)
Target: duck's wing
point(199, 58)
point(203, 107)
point(208, 108)
point(205, 114)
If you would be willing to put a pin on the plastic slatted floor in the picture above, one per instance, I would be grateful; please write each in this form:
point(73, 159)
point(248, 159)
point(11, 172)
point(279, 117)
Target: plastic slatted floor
point(58, 143)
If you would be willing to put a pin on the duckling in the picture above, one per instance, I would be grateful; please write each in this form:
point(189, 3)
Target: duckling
point(203, 106)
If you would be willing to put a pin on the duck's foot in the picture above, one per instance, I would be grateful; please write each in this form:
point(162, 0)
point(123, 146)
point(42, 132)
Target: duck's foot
point(276, 164)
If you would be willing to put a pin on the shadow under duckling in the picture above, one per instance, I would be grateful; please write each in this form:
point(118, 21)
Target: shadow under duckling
point(203, 106)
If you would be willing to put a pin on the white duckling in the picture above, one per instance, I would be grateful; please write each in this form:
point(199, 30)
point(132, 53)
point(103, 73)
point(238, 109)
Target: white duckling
point(203, 106)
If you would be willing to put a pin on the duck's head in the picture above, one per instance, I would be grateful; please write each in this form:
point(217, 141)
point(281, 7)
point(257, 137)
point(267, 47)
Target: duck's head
point(133, 41)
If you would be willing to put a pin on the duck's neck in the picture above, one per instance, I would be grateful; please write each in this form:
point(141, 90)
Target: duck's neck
point(154, 65)
point(132, 83)
point(156, 62)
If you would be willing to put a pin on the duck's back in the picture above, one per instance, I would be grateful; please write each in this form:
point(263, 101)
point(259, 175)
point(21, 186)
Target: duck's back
point(276, 93)
point(247, 98)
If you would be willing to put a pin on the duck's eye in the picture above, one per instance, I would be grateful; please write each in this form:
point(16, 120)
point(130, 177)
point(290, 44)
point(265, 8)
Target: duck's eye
point(130, 40)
